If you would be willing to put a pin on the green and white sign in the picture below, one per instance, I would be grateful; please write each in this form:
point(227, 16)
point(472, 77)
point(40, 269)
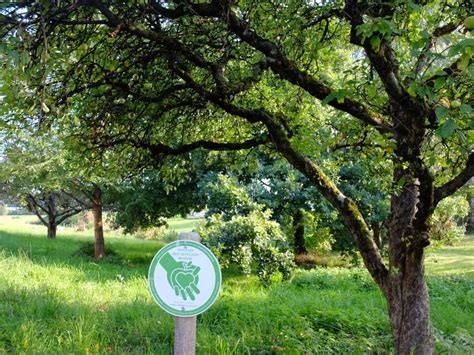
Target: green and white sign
point(184, 278)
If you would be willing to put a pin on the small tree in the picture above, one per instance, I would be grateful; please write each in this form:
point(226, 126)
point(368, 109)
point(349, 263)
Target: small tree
point(33, 172)
point(52, 208)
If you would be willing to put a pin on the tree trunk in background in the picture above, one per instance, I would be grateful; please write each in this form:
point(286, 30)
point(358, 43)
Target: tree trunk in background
point(52, 225)
point(298, 227)
point(470, 216)
point(52, 228)
point(376, 228)
point(99, 247)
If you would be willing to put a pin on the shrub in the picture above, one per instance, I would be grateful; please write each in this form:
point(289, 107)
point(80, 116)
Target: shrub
point(318, 238)
point(253, 242)
point(161, 233)
point(86, 250)
point(447, 225)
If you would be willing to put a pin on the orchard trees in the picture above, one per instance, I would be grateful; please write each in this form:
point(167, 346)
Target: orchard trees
point(171, 76)
point(33, 173)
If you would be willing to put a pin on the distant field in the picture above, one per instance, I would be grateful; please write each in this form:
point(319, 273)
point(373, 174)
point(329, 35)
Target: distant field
point(54, 301)
point(30, 224)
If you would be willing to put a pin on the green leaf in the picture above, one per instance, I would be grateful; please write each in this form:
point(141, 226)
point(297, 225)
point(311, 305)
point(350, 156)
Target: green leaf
point(448, 128)
point(401, 182)
point(375, 43)
point(439, 83)
point(459, 47)
point(339, 95)
point(441, 112)
point(466, 108)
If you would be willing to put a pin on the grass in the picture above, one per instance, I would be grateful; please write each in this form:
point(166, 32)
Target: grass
point(184, 225)
point(453, 260)
point(54, 302)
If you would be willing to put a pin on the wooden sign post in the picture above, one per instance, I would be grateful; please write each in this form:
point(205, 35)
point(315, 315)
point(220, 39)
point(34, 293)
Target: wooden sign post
point(185, 279)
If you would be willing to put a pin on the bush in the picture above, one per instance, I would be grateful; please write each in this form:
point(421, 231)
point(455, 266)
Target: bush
point(447, 222)
point(318, 238)
point(3, 209)
point(87, 249)
point(252, 242)
point(161, 233)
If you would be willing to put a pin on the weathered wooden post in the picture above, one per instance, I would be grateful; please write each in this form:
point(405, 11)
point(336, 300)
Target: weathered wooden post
point(185, 327)
point(185, 279)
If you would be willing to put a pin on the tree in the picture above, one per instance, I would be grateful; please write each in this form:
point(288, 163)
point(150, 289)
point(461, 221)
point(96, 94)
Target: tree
point(89, 196)
point(391, 76)
point(38, 171)
point(56, 206)
point(270, 183)
point(32, 172)
point(470, 216)
point(147, 199)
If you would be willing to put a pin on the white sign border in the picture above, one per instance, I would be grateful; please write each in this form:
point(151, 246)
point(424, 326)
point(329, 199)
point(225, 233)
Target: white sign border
point(215, 291)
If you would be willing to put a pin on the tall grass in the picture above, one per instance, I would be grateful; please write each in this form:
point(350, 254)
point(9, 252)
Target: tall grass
point(52, 301)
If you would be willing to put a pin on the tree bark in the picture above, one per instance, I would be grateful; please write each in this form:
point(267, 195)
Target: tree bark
point(52, 211)
point(409, 308)
point(470, 216)
point(52, 228)
point(298, 227)
point(407, 293)
point(99, 246)
point(376, 228)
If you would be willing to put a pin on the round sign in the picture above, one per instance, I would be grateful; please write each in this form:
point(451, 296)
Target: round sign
point(184, 278)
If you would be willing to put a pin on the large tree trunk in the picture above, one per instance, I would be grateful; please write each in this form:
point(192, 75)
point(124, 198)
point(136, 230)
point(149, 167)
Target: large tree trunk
point(298, 227)
point(409, 308)
point(99, 246)
point(406, 292)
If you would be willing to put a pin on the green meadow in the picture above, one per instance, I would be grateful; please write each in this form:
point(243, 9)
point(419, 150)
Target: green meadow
point(53, 299)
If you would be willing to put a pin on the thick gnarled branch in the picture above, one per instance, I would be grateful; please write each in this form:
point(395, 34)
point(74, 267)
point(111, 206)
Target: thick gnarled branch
point(457, 182)
point(276, 60)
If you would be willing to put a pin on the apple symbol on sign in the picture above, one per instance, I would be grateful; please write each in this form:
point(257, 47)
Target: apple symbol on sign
point(183, 277)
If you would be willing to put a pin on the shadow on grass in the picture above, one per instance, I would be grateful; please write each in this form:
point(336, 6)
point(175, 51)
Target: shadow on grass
point(62, 252)
point(41, 321)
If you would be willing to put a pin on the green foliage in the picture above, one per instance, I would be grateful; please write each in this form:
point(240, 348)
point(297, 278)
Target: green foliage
point(319, 237)
point(447, 222)
point(146, 201)
point(253, 240)
point(226, 196)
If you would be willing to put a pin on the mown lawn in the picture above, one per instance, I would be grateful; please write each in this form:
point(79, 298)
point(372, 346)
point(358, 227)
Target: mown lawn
point(53, 301)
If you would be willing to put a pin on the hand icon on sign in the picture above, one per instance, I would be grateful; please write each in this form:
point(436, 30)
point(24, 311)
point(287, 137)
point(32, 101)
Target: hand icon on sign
point(182, 276)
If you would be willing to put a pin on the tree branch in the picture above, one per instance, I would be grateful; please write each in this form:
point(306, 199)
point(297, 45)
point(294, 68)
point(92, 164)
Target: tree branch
point(161, 149)
point(78, 200)
point(274, 57)
point(34, 207)
point(457, 182)
point(352, 217)
point(69, 213)
point(437, 33)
